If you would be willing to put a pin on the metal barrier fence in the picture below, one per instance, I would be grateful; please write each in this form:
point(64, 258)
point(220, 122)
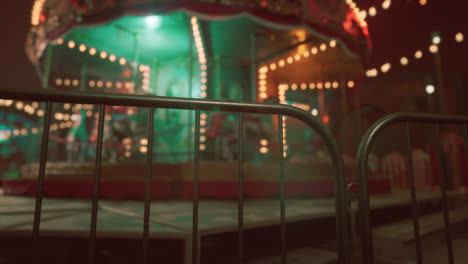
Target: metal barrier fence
point(362, 159)
point(151, 103)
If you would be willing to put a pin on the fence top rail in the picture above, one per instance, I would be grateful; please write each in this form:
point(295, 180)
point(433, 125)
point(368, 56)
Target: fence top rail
point(381, 124)
point(160, 102)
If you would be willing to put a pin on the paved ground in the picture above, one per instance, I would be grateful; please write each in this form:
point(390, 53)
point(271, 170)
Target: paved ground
point(172, 219)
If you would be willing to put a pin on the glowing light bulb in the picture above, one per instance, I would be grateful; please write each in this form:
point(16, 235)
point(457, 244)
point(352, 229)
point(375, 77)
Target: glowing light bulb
point(350, 84)
point(433, 48)
point(404, 61)
point(332, 43)
point(430, 89)
point(103, 54)
point(82, 48)
point(335, 85)
point(323, 47)
point(459, 37)
point(418, 54)
point(19, 105)
point(314, 50)
point(436, 40)
point(112, 58)
point(122, 61)
point(385, 67)
point(312, 86)
point(386, 4)
point(372, 11)
point(92, 51)
point(422, 2)
point(71, 44)
point(143, 149)
point(363, 14)
point(263, 69)
point(58, 81)
point(314, 112)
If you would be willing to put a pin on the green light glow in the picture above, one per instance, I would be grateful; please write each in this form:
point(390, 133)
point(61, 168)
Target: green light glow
point(153, 21)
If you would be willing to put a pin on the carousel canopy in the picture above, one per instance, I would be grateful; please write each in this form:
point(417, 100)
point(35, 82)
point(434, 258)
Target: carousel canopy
point(160, 29)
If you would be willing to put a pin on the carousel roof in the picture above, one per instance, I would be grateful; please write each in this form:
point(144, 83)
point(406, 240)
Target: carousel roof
point(161, 28)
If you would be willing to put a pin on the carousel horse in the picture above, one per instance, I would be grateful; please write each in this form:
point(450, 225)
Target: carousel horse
point(453, 163)
point(225, 128)
point(116, 129)
point(395, 168)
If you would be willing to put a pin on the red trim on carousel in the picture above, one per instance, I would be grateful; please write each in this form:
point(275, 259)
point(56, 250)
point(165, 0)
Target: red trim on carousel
point(164, 190)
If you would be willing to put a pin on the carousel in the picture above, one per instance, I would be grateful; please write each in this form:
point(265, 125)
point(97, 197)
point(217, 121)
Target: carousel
point(308, 54)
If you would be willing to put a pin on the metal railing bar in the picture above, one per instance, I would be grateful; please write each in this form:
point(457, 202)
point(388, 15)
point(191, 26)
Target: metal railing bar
point(282, 192)
point(362, 157)
point(443, 191)
point(414, 201)
point(97, 179)
point(40, 185)
point(149, 164)
point(240, 210)
point(195, 199)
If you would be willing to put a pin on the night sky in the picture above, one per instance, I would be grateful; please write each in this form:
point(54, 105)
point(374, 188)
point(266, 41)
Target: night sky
point(400, 30)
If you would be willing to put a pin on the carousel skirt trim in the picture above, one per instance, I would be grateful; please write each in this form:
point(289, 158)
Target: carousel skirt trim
point(170, 190)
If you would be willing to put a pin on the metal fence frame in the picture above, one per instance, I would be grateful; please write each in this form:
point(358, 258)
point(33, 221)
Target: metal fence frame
point(152, 103)
point(362, 159)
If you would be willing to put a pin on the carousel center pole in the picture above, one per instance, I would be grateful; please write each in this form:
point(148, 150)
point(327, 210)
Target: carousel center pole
point(253, 67)
point(83, 73)
point(136, 56)
point(48, 64)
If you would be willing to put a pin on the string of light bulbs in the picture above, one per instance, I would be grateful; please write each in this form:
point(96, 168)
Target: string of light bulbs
point(283, 63)
point(145, 70)
point(202, 61)
point(290, 60)
point(417, 55)
point(373, 11)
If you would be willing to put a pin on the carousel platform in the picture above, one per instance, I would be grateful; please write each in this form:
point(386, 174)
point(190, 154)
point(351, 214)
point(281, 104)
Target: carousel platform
point(309, 221)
